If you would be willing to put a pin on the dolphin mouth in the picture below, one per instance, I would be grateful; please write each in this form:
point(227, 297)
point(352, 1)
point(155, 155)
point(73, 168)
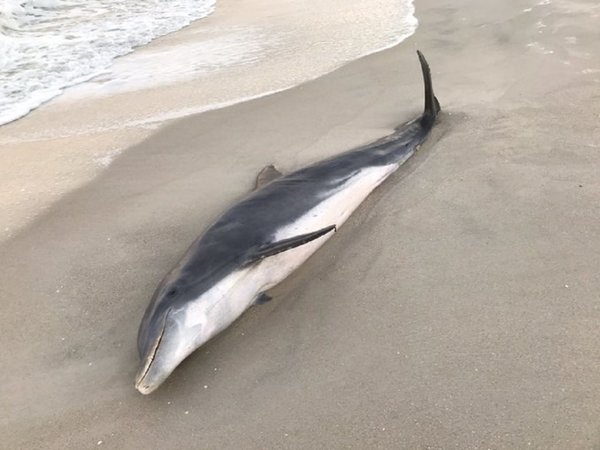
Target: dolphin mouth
point(139, 383)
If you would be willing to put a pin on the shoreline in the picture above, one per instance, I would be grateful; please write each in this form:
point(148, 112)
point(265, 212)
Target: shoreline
point(456, 308)
point(250, 46)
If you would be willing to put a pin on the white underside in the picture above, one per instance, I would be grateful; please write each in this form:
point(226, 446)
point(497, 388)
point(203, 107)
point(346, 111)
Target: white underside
point(217, 308)
point(333, 210)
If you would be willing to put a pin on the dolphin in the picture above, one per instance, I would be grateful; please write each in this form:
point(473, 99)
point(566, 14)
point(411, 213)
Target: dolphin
point(261, 240)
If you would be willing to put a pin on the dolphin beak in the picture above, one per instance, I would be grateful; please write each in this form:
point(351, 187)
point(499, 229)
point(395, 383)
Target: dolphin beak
point(142, 383)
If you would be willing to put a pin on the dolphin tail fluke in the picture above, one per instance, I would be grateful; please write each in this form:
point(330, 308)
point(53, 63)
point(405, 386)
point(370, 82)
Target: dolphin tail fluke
point(432, 106)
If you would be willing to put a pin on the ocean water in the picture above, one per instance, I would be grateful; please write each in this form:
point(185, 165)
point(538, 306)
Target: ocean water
point(48, 45)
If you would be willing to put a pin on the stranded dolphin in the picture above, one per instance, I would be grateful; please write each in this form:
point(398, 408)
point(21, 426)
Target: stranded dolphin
point(261, 240)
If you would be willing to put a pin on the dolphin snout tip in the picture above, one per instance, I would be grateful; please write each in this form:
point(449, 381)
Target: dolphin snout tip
point(144, 388)
point(142, 382)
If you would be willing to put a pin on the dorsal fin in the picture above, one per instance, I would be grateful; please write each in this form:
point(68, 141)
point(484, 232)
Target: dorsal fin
point(268, 174)
point(273, 248)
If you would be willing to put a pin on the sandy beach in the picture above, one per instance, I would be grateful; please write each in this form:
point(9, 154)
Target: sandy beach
point(457, 308)
point(244, 50)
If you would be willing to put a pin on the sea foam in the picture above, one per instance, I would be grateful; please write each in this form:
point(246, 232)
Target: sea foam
point(48, 45)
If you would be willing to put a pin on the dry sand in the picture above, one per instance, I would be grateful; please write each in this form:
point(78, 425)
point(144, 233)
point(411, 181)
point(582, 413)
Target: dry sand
point(458, 308)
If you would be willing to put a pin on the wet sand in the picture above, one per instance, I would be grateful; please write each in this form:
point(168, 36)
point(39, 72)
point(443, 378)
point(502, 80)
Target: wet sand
point(457, 308)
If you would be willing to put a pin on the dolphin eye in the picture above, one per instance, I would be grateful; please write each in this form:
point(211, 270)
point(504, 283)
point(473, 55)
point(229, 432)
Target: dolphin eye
point(172, 292)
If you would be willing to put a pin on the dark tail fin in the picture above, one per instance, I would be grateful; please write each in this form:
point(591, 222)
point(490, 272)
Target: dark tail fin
point(432, 106)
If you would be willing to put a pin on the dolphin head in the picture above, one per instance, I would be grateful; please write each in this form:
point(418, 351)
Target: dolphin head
point(173, 326)
point(184, 313)
point(162, 335)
